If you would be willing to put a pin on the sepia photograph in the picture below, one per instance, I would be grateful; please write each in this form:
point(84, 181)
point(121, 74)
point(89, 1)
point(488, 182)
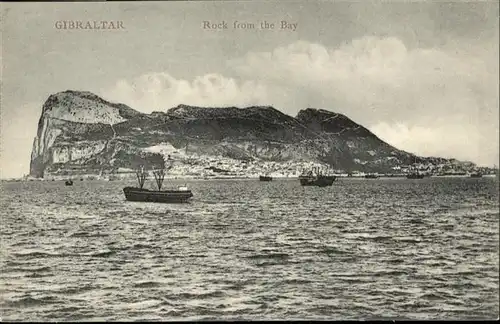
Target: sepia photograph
point(249, 161)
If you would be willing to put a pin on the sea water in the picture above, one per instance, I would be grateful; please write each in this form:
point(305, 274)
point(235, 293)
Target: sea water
point(244, 249)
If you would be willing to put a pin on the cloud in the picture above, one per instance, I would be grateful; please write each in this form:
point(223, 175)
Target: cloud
point(161, 91)
point(16, 138)
point(449, 141)
point(380, 76)
point(430, 101)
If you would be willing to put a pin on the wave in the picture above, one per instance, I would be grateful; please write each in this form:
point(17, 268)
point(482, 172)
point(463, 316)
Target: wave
point(88, 234)
point(29, 301)
point(36, 254)
point(147, 284)
point(268, 256)
point(203, 295)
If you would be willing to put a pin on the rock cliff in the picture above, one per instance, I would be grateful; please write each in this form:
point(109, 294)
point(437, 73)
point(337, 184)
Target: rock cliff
point(79, 132)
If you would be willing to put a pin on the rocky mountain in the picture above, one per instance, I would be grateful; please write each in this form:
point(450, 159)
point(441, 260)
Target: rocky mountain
point(79, 132)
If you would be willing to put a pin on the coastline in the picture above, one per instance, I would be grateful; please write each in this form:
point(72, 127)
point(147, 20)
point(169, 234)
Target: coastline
point(222, 178)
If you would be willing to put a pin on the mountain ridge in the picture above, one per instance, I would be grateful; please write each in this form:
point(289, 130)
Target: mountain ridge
point(80, 131)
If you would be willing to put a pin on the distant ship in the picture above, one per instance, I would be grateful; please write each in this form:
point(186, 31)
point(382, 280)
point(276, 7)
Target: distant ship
point(415, 174)
point(476, 175)
point(181, 195)
point(371, 176)
point(316, 178)
point(69, 182)
point(265, 178)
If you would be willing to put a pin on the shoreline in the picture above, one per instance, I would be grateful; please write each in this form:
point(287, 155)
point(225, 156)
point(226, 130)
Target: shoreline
point(219, 178)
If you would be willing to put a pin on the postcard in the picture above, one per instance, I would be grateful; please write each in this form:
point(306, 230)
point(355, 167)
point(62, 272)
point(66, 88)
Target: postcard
point(237, 160)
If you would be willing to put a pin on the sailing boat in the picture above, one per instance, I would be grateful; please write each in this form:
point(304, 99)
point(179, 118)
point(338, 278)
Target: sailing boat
point(69, 182)
point(266, 177)
point(182, 194)
point(414, 173)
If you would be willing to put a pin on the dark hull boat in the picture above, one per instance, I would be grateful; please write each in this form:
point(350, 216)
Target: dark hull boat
point(318, 181)
point(371, 176)
point(316, 178)
point(164, 196)
point(415, 176)
point(68, 182)
point(330, 178)
point(183, 194)
point(265, 178)
point(476, 175)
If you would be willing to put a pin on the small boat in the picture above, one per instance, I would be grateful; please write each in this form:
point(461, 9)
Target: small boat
point(318, 181)
point(265, 178)
point(415, 175)
point(371, 176)
point(331, 178)
point(180, 195)
point(68, 182)
point(476, 175)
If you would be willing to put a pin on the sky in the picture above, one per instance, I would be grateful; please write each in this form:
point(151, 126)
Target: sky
point(421, 75)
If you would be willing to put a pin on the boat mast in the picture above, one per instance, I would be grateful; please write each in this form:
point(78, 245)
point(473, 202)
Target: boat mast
point(141, 176)
point(159, 176)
